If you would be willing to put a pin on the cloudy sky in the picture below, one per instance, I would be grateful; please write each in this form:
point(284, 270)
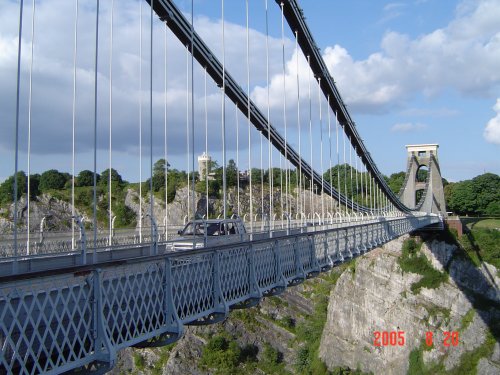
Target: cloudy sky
point(419, 71)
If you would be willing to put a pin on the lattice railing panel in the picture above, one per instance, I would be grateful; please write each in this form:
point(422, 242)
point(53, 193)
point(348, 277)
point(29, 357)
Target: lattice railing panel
point(265, 265)
point(306, 253)
point(46, 325)
point(331, 243)
point(320, 249)
point(234, 273)
point(287, 257)
point(193, 285)
point(133, 301)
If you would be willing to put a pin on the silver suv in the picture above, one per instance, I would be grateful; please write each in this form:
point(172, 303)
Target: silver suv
point(202, 233)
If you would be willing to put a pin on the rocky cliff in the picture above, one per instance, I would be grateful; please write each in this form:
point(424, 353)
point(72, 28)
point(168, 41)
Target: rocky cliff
point(378, 297)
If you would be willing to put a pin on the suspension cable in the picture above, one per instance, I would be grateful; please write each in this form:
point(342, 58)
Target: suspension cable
point(28, 193)
point(311, 204)
point(151, 195)
point(356, 173)
point(362, 186)
point(110, 123)
point(192, 107)
point(345, 172)
point(165, 145)
point(271, 172)
point(338, 161)
point(140, 121)
point(95, 132)
point(330, 153)
point(248, 117)
point(261, 179)
point(207, 166)
point(299, 174)
point(224, 187)
point(284, 108)
point(188, 148)
point(16, 157)
point(350, 169)
point(371, 194)
point(321, 152)
point(237, 157)
point(73, 124)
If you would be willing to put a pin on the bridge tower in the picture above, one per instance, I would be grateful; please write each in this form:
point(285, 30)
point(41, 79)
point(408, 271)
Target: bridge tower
point(432, 198)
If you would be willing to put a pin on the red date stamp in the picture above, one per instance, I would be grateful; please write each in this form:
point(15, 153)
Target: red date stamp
point(392, 338)
point(397, 338)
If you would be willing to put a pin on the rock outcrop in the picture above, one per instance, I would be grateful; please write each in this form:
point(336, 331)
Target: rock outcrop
point(377, 296)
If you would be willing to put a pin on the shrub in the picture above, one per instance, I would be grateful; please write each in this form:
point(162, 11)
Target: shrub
point(412, 261)
point(52, 179)
point(221, 355)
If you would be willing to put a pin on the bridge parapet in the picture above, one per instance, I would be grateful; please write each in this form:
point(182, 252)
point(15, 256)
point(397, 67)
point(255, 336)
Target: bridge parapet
point(79, 317)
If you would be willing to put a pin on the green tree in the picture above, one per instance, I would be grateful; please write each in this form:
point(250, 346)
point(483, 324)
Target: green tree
point(34, 185)
point(52, 179)
point(115, 177)
point(256, 176)
point(479, 196)
point(7, 188)
point(213, 188)
point(86, 178)
point(125, 216)
point(160, 167)
point(231, 173)
point(395, 181)
point(159, 170)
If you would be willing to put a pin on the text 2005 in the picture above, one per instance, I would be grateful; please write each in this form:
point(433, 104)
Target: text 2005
point(392, 338)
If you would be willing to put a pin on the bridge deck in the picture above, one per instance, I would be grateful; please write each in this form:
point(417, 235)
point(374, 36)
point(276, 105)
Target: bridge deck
point(55, 321)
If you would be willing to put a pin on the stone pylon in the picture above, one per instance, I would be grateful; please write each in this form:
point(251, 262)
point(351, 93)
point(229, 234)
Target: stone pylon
point(432, 199)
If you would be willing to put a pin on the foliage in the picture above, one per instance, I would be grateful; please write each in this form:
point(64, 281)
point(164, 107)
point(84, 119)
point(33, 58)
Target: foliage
point(164, 355)
point(115, 177)
point(86, 178)
point(52, 179)
point(417, 365)
point(213, 188)
point(467, 319)
point(160, 166)
point(231, 173)
point(139, 361)
point(125, 216)
point(467, 365)
point(221, 354)
point(487, 223)
point(412, 261)
point(7, 188)
point(479, 196)
point(347, 371)
point(482, 244)
point(247, 316)
point(395, 181)
point(271, 361)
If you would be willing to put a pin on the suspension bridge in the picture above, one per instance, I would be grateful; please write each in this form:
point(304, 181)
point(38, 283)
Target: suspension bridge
point(70, 300)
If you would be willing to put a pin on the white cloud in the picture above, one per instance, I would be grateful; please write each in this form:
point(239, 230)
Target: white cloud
point(391, 6)
point(407, 127)
point(428, 112)
point(462, 57)
point(492, 131)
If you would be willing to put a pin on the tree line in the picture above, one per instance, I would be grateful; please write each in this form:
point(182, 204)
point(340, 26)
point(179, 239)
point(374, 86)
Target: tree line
point(478, 196)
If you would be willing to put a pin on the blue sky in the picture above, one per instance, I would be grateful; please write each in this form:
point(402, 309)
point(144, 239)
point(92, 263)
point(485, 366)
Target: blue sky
point(422, 71)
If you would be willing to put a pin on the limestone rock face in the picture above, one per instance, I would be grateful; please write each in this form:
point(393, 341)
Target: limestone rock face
point(376, 296)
